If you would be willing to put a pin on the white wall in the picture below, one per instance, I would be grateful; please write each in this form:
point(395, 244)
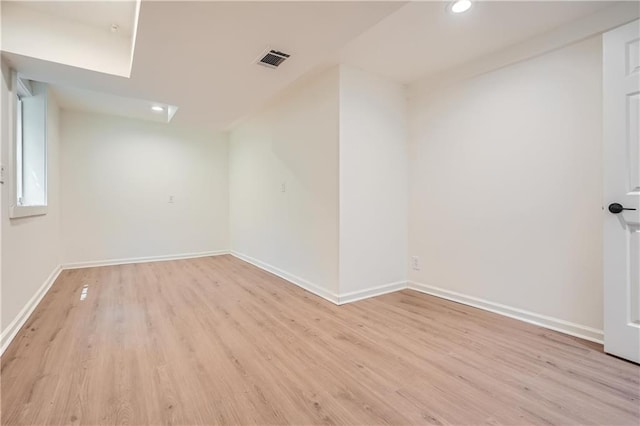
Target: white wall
point(117, 176)
point(292, 142)
point(373, 181)
point(31, 245)
point(338, 143)
point(504, 188)
point(506, 185)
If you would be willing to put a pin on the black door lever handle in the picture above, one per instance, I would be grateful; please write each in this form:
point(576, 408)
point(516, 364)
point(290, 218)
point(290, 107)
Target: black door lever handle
point(616, 208)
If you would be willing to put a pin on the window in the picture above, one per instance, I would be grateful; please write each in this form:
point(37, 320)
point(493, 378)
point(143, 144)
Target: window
point(30, 148)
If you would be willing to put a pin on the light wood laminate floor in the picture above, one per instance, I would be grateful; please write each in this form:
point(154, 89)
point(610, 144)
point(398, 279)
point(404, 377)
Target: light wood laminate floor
point(218, 341)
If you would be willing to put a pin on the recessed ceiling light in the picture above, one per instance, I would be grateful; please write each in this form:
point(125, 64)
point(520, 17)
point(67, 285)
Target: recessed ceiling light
point(460, 6)
point(157, 108)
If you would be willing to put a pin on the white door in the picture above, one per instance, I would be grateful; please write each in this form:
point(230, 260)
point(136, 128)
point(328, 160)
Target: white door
point(621, 96)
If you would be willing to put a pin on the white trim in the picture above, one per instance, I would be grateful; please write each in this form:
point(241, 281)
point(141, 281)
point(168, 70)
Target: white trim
point(556, 324)
point(112, 262)
point(27, 211)
point(12, 329)
point(16, 210)
point(337, 299)
point(573, 329)
point(570, 328)
point(134, 36)
point(23, 86)
point(354, 296)
point(300, 282)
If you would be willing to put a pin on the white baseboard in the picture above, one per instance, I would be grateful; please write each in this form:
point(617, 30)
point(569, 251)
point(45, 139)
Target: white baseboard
point(573, 329)
point(577, 330)
point(300, 282)
point(338, 299)
point(112, 262)
point(354, 296)
point(12, 329)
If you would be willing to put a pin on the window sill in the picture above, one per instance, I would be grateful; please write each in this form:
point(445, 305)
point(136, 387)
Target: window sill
point(26, 211)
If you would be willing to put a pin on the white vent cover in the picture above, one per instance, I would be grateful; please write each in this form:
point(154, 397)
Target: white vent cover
point(272, 58)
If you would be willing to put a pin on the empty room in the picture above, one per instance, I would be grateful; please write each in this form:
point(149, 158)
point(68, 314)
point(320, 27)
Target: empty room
point(320, 212)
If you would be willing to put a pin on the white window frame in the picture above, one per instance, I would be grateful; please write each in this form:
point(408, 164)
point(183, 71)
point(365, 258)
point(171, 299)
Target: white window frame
point(21, 88)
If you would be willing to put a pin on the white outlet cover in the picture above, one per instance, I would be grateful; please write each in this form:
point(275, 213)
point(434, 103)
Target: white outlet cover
point(415, 262)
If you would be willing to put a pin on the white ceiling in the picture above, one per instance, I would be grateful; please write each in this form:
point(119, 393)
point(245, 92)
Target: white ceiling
point(101, 14)
point(424, 38)
point(77, 33)
point(74, 99)
point(199, 55)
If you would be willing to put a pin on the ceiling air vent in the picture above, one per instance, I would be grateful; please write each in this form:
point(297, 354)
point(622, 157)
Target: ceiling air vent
point(272, 58)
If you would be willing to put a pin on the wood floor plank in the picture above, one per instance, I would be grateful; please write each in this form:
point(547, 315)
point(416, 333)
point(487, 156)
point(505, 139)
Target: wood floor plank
point(219, 341)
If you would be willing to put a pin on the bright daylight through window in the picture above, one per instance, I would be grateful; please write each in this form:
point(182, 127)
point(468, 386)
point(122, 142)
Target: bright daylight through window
point(30, 148)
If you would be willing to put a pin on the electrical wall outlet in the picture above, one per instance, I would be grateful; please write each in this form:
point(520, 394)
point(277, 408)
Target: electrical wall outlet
point(415, 263)
point(171, 199)
point(283, 187)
